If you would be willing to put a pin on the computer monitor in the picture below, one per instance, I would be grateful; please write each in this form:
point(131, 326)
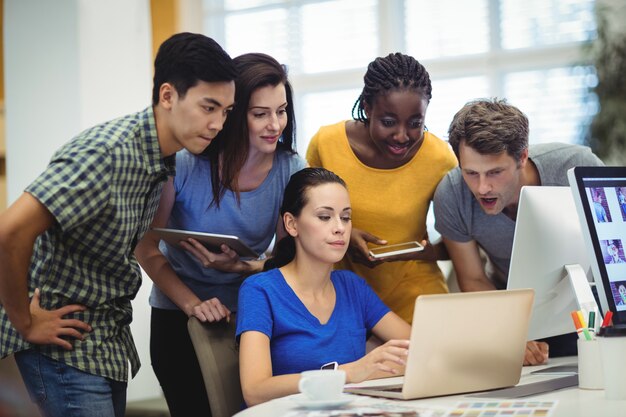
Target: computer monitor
point(600, 196)
point(549, 255)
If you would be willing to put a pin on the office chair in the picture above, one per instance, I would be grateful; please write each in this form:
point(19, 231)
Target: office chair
point(218, 356)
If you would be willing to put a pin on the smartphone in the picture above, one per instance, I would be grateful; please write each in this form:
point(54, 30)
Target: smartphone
point(397, 249)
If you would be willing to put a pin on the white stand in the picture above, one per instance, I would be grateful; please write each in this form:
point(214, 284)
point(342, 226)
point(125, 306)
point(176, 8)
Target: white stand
point(551, 314)
point(582, 292)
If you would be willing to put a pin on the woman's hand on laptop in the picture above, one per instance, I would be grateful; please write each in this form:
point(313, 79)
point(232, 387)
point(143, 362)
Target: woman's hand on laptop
point(386, 360)
point(536, 353)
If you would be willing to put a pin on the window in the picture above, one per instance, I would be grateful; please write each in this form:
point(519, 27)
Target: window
point(432, 31)
point(332, 42)
point(241, 28)
point(552, 100)
point(329, 107)
point(536, 23)
point(527, 51)
point(449, 95)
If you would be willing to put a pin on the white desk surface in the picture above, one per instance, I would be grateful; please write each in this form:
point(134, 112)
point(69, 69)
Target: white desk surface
point(572, 402)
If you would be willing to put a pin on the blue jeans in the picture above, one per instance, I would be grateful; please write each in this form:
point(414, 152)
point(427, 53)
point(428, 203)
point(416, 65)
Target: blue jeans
point(62, 391)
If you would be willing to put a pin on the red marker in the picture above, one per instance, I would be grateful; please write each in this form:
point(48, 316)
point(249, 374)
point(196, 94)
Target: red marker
point(607, 318)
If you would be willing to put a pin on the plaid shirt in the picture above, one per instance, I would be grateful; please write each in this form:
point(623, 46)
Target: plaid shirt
point(103, 189)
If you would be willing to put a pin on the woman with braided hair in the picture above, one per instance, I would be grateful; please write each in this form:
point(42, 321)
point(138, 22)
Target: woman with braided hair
point(392, 166)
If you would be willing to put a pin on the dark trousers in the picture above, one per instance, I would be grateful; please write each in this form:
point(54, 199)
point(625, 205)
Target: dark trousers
point(175, 364)
point(562, 345)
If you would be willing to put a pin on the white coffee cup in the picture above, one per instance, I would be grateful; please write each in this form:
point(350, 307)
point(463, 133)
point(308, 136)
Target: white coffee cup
point(613, 353)
point(322, 385)
point(590, 375)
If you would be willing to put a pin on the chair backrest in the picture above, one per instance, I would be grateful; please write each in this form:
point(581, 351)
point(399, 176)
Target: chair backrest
point(218, 356)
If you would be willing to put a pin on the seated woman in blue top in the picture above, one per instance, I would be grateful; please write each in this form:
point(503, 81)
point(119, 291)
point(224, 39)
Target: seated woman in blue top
point(303, 314)
point(236, 189)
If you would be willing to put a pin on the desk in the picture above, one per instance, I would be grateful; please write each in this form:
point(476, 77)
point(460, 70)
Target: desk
point(572, 402)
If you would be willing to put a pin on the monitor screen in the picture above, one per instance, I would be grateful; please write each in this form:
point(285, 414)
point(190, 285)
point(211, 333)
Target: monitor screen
point(548, 238)
point(600, 195)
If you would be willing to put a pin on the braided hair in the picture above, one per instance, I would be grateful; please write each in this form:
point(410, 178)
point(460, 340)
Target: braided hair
point(395, 71)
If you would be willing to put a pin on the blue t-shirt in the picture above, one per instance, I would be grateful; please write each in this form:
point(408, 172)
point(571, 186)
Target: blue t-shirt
point(253, 221)
point(298, 342)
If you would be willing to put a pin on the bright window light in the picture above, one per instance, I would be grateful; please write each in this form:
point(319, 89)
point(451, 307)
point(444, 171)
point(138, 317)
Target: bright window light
point(325, 108)
point(441, 28)
point(529, 52)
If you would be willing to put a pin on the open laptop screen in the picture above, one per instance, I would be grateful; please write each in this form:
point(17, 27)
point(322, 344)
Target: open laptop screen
point(600, 197)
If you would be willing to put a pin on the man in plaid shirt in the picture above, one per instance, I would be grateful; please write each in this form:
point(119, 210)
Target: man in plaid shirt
point(67, 269)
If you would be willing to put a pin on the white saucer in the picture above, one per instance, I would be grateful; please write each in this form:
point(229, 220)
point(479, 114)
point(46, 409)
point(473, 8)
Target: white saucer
point(305, 402)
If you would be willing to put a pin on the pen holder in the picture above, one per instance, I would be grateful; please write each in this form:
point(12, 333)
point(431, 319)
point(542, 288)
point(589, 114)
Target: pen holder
point(590, 373)
point(612, 351)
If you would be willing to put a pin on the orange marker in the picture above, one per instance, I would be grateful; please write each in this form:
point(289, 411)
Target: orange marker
point(577, 324)
point(583, 332)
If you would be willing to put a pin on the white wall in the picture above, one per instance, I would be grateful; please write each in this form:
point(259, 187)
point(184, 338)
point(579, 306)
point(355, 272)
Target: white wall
point(70, 64)
point(41, 93)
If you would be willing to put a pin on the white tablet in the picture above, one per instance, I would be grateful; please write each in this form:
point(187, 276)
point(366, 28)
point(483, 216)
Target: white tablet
point(211, 241)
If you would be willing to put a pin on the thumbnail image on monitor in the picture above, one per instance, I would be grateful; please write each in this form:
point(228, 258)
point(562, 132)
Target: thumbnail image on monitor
point(600, 197)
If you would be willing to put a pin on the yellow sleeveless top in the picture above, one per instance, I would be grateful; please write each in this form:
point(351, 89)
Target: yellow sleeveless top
point(391, 204)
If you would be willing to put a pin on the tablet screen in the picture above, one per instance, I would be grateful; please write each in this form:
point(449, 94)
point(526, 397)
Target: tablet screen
point(211, 241)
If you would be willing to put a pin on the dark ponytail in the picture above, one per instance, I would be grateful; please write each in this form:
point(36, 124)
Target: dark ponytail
point(294, 200)
point(283, 254)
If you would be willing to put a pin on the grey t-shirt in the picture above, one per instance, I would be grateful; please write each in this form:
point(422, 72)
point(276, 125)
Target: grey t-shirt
point(459, 217)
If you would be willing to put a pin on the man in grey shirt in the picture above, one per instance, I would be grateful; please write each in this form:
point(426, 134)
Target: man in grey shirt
point(476, 203)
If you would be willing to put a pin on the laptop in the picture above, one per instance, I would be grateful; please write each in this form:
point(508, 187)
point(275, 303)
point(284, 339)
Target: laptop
point(462, 342)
